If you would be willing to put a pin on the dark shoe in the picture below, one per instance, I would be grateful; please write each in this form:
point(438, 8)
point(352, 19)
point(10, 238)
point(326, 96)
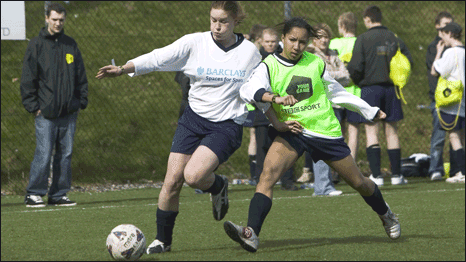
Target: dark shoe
point(64, 202)
point(290, 187)
point(220, 203)
point(252, 182)
point(34, 201)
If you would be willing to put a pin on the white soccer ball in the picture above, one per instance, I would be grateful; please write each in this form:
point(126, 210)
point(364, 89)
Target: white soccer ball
point(126, 242)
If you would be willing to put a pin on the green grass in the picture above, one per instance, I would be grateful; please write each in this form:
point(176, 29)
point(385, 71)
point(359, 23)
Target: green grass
point(127, 129)
point(298, 227)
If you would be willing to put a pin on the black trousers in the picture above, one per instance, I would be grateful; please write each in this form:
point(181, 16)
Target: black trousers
point(263, 143)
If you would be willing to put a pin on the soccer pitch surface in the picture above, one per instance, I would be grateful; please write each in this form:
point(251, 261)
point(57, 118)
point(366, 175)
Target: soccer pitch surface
point(298, 227)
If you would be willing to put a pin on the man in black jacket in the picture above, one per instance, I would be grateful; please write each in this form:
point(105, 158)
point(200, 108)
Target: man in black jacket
point(53, 88)
point(437, 140)
point(370, 69)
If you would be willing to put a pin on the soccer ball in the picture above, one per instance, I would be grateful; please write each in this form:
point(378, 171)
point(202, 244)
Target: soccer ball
point(126, 242)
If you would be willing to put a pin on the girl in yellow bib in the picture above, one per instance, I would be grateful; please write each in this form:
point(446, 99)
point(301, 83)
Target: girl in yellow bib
point(296, 94)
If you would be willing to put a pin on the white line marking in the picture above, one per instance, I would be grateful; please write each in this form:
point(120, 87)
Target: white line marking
point(234, 200)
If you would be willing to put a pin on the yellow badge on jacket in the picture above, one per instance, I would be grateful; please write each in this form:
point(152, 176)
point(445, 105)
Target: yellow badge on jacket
point(69, 58)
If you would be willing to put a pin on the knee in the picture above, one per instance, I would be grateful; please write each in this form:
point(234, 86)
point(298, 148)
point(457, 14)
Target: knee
point(191, 179)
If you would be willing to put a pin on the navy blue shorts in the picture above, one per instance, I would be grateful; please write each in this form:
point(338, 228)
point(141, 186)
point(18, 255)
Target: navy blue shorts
point(223, 138)
point(318, 148)
point(385, 98)
point(250, 119)
point(450, 119)
point(350, 116)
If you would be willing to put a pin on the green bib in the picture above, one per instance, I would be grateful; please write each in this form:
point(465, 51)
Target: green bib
point(345, 46)
point(304, 81)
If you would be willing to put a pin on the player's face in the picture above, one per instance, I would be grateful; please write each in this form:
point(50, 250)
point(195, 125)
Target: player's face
point(55, 22)
point(221, 24)
point(443, 22)
point(294, 43)
point(269, 42)
point(322, 42)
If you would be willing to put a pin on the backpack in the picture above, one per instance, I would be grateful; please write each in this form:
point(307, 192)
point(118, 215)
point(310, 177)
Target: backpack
point(400, 70)
point(417, 165)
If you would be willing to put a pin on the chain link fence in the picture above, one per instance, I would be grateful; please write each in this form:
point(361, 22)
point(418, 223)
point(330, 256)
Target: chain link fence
point(127, 129)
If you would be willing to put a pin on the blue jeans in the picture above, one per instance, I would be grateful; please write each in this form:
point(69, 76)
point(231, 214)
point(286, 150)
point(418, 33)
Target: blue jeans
point(58, 132)
point(437, 141)
point(323, 184)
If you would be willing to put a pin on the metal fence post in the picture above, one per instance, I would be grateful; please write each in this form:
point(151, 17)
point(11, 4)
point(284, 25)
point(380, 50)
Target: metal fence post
point(287, 9)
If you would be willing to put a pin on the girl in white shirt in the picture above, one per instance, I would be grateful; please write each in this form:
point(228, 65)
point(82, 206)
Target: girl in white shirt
point(451, 67)
point(217, 63)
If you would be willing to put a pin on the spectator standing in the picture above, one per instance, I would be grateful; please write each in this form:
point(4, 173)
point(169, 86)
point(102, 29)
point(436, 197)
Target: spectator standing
point(210, 129)
point(369, 69)
point(347, 24)
point(450, 66)
point(53, 88)
point(254, 36)
point(437, 139)
point(323, 184)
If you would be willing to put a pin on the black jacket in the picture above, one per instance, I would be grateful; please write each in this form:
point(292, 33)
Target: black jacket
point(53, 78)
point(372, 53)
point(430, 57)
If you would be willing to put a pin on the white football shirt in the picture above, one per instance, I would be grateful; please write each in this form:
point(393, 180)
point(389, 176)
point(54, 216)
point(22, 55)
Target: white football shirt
point(451, 67)
point(215, 73)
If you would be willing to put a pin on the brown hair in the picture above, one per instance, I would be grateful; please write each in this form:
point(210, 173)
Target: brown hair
point(232, 7)
point(325, 27)
point(443, 14)
point(256, 31)
point(374, 13)
point(55, 7)
point(270, 31)
point(348, 22)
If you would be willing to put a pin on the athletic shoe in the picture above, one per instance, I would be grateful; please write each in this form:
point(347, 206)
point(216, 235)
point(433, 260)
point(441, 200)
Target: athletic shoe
point(199, 191)
point(34, 201)
point(245, 236)
point(220, 201)
point(305, 177)
point(458, 178)
point(335, 193)
point(391, 224)
point(436, 176)
point(377, 180)
point(157, 247)
point(399, 180)
point(63, 201)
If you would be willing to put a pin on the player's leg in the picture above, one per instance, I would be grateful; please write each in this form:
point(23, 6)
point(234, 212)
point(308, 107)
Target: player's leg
point(168, 203)
point(373, 152)
point(394, 113)
point(353, 140)
point(280, 157)
point(457, 155)
point(369, 191)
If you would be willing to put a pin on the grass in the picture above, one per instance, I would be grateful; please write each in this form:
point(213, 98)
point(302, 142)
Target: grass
point(126, 131)
point(298, 227)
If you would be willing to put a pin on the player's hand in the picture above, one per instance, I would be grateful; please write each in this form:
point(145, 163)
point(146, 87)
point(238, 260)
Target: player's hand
point(286, 100)
point(440, 46)
point(108, 71)
point(291, 125)
point(380, 115)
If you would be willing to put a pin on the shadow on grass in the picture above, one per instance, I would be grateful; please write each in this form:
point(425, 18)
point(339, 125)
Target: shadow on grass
point(287, 244)
point(83, 203)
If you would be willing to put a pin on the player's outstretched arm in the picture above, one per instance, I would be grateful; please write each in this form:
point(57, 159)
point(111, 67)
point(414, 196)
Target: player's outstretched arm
point(114, 71)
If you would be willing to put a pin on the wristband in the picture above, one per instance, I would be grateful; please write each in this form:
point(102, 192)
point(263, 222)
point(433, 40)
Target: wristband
point(122, 70)
point(273, 98)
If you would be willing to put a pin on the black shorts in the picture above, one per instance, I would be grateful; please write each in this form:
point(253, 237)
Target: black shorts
point(319, 148)
point(450, 119)
point(346, 114)
point(383, 97)
point(223, 138)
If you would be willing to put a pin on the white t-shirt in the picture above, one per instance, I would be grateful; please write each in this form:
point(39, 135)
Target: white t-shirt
point(215, 73)
point(451, 67)
point(335, 92)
